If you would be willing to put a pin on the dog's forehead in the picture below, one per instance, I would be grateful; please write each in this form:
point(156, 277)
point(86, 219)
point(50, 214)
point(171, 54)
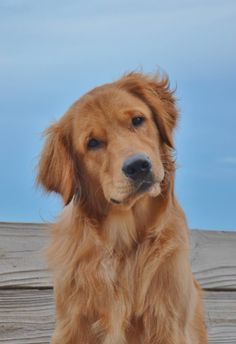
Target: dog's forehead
point(104, 105)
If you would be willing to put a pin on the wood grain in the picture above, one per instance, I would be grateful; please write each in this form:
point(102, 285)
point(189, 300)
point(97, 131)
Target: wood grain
point(27, 316)
point(22, 262)
point(213, 257)
point(220, 313)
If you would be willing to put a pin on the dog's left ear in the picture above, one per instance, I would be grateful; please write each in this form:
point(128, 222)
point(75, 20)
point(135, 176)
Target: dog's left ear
point(56, 171)
point(155, 92)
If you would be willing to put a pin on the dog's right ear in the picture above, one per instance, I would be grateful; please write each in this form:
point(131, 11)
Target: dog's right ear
point(56, 166)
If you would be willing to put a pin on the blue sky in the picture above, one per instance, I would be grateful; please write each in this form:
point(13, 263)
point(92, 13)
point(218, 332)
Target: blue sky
point(51, 52)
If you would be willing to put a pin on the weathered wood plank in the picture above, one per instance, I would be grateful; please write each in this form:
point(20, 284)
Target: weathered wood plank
point(21, 255)
point(220, 310)
point(27, 316)
point(213, 257)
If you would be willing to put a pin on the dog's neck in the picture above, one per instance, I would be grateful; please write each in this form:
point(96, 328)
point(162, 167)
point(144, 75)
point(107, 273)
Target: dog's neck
point(122, 227)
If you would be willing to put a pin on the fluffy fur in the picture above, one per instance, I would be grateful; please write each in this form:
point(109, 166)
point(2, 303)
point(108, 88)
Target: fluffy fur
point(121, 268)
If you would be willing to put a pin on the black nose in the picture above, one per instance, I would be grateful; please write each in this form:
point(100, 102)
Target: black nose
point(137, 167)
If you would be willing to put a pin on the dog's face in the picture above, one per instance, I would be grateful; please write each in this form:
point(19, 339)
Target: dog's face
point(113, 143)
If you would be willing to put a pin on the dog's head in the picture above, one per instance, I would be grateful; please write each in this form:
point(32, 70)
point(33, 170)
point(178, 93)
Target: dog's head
point(114, 144)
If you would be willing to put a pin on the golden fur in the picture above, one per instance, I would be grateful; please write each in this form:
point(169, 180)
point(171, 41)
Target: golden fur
point(119, 257)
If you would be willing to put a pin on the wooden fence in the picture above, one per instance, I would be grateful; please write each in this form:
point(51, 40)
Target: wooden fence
point(26, 295)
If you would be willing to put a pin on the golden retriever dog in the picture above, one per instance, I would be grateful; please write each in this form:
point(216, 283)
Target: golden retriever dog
point(120, 250)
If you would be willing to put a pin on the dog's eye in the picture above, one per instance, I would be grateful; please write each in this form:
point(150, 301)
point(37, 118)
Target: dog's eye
point(137, 121)
point(94, 144)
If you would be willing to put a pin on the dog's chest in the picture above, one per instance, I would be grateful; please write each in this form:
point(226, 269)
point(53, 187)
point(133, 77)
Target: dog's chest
point(117, 271)
point(120, 264)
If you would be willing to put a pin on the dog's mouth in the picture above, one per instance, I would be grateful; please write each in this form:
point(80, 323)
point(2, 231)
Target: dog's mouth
point(115, 201)
point(142, 187)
